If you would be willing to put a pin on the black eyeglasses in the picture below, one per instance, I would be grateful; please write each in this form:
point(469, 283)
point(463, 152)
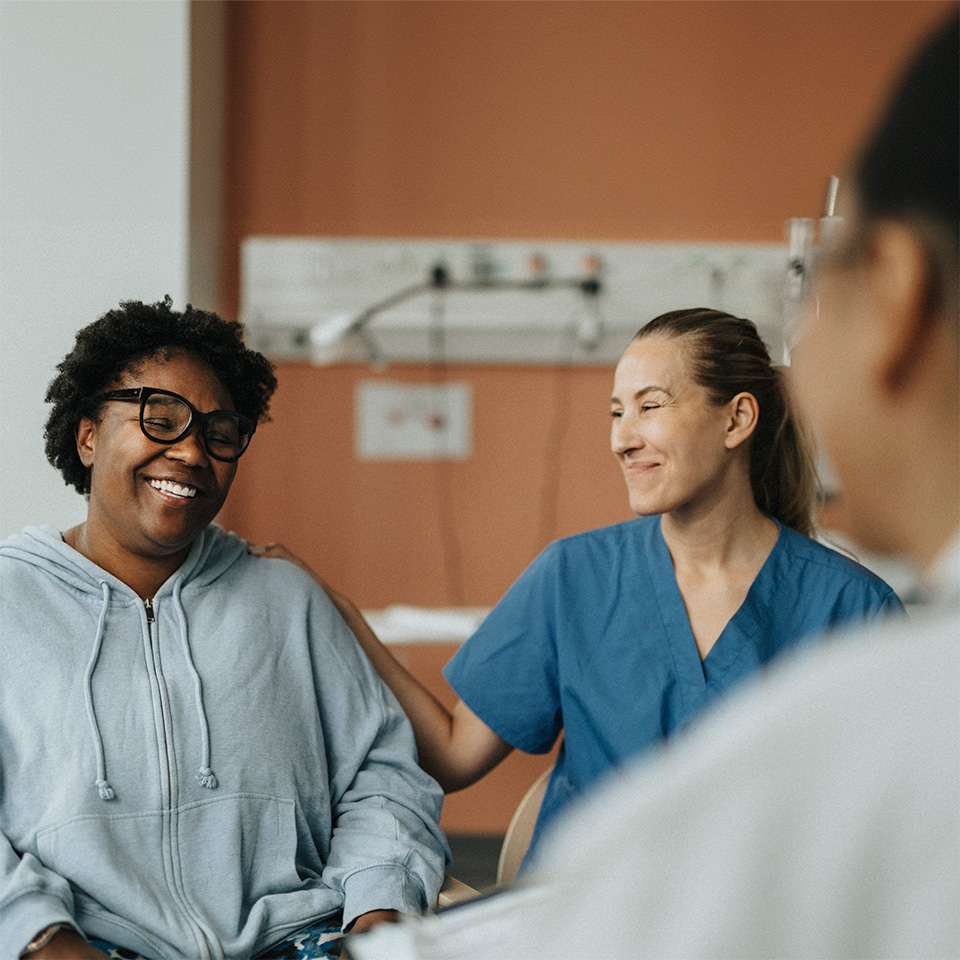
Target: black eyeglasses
point(167, 417)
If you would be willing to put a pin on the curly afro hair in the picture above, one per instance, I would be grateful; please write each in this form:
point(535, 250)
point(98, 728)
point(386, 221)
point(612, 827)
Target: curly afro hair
point(130, 334)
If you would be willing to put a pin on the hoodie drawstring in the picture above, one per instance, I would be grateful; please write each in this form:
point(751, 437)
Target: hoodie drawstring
point(205, 777)
point(103, 785)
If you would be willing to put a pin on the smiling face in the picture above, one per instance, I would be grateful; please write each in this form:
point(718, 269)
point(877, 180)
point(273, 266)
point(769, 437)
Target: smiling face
point(150, 501)
point(674, 445)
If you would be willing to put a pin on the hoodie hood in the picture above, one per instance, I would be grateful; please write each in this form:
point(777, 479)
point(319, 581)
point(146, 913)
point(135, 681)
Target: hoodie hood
point(211, 555)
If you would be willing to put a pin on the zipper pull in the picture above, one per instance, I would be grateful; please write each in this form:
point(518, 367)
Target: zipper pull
point(148, 606)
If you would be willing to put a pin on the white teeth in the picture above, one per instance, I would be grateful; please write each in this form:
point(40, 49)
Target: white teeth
point(176, 489)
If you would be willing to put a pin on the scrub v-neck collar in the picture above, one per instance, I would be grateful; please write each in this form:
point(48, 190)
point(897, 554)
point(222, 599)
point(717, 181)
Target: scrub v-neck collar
point(697, 676)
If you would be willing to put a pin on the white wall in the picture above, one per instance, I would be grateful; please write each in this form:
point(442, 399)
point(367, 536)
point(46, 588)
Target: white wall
point(94, 202)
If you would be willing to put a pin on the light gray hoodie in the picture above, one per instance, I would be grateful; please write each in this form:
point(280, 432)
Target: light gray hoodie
point(200, 775)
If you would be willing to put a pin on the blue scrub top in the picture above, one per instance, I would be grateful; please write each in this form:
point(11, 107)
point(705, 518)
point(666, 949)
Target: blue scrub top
point(594, 640)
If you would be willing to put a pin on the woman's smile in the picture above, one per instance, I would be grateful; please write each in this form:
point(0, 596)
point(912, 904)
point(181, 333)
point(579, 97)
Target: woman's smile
point(637, 468)
point(177, 490)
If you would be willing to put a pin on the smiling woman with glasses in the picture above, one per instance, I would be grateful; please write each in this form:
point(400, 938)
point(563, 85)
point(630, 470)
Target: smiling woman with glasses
point(114, 347)
point(214, 769)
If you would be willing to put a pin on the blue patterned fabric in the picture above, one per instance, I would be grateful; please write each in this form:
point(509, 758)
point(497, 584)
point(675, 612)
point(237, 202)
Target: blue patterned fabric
point(319, 941)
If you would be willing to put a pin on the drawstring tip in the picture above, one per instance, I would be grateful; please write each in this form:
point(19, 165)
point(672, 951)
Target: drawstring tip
point(106, 791)
point(206, 778)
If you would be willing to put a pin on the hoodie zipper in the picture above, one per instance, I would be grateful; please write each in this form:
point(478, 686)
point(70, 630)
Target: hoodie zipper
point(151, 619)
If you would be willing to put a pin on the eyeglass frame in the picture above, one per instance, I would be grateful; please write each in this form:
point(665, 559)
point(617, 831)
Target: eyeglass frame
point(142, 394)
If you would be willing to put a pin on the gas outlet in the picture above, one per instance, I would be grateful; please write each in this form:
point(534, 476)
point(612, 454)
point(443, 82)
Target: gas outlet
point(407, 421)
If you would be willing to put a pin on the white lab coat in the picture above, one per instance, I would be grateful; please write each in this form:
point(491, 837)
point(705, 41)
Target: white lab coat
point(816, 815)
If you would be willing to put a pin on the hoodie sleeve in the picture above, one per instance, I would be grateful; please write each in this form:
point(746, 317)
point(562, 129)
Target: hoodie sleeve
point(387, 851)
point(31, 898)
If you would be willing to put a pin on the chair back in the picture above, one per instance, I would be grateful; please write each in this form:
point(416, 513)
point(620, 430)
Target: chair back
point(517, 838)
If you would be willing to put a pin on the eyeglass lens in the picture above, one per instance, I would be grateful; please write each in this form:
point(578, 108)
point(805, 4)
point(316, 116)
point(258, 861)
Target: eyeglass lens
point(167, 418)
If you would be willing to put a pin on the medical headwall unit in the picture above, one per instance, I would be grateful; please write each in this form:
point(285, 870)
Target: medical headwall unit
point(331, 300)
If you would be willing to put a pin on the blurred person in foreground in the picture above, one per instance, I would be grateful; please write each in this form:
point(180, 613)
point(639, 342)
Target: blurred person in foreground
point(817, 814)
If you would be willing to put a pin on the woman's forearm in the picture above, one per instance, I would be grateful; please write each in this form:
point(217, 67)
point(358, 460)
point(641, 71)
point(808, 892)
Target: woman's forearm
point(455, 748)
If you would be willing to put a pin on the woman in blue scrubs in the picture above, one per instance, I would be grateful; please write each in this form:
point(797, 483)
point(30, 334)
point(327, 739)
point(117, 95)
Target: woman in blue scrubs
point(617, 637)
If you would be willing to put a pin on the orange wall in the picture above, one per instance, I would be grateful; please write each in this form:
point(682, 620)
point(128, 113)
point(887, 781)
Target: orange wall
point(609, 120)
point(601, 120)
point(430, 533)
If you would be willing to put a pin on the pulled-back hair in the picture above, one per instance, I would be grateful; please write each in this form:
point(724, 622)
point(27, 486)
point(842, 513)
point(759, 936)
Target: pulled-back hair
point(910, 165)
point(128, 335)
point(909, 168)
point(726, 356)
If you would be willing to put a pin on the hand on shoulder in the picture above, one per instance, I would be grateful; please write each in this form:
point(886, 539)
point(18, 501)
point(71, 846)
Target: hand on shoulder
point(277, 551)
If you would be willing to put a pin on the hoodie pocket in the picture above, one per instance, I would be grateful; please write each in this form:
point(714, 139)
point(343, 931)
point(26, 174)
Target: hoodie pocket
point(240, 847)
point(114, 865)
point(231, 862)
point(248, 868)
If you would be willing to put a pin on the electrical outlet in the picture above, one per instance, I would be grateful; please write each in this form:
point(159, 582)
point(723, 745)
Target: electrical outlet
point(405, 421)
